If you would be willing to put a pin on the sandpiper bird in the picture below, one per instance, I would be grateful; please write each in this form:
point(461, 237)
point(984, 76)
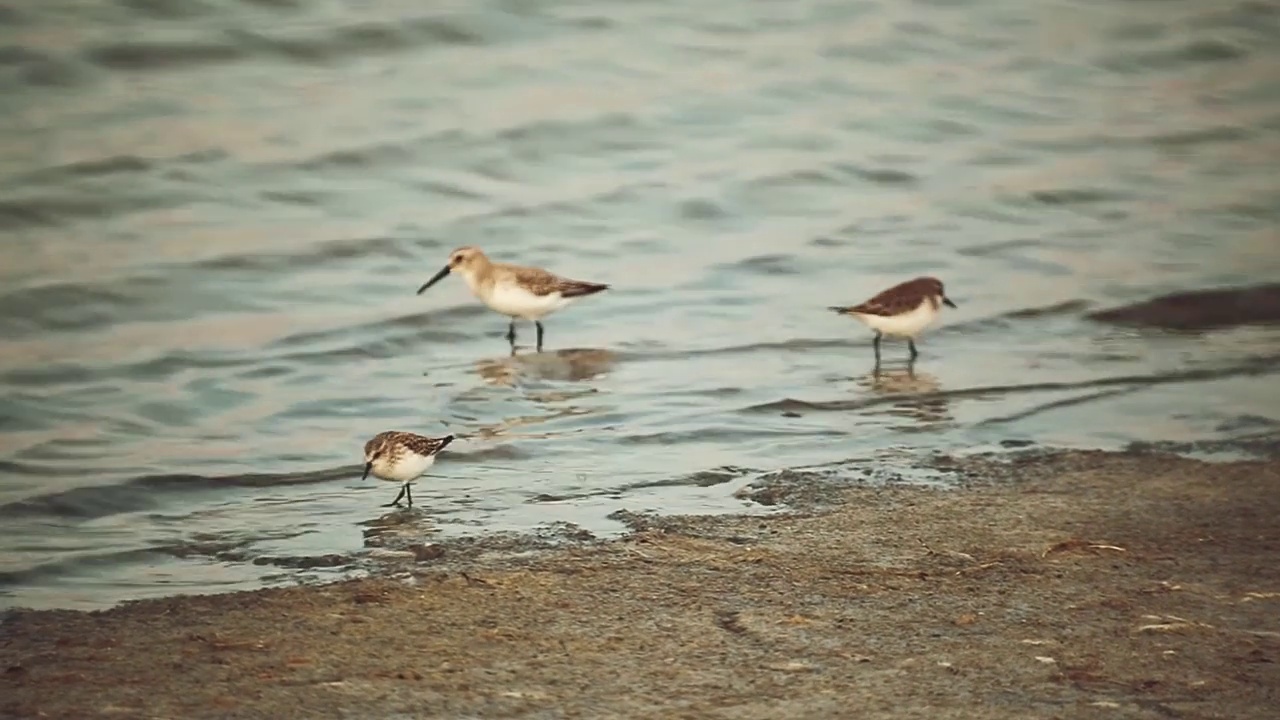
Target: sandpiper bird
point(903, 310)
point(401, 457)
point(515, 291)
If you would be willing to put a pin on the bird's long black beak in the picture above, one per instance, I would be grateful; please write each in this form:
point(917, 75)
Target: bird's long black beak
point(367, 467)
point(947, 301)
point(443, 271)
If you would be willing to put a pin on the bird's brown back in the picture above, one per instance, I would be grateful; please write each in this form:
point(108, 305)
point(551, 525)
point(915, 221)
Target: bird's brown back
point(420, 444)
point(540, 282)
point(901, 298)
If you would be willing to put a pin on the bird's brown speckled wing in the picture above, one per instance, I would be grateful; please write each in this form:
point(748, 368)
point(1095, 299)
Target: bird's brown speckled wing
point(419, 444)
point(426, 446)
point(898, 299)
point(541, 282)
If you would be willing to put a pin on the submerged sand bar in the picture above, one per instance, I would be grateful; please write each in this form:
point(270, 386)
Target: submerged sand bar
point(1063, 585)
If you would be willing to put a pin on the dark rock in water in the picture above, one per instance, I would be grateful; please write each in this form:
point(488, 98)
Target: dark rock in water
point(1201, 309)
point(797, 488)
point(426, 553)
point(304, 561)
point(638, 522)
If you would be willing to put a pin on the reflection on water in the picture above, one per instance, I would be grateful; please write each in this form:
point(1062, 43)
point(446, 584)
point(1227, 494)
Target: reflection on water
point(398, 524)
point(569, 365)
point(503, 429)
point(213, 225)
point(915, 395)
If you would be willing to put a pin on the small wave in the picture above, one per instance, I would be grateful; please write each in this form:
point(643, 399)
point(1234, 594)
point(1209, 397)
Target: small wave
point(997, 248)
point(1192, 53)
point(384, 152)
point(160, 55)
point(1259, 366)
point(224, 547)
point(880, 176)
point(1066, 307)
point(582, 206)
point(327, 46)
point(833, 175)
point(114, 165)
point(53, 210)
point(797, 344)
point(371, 38)
point(143, 493)
point(608, 132)
point(276, 4)
point(389, 347)
point(707, 433)
point(67, 306)
point(51, 373)
point(302, 198)
point(37, 69)
point(701, 209)
point(313, 256)
point(1201, 136)
point(380, 154)
point(448, 189)
point(504, 451)
point(806, 177)
point(71, 563)
point(119, 164)
point(14, 467)
point(1059, 404)
point(404, 327)
point(1078, 196)
point(167, 9)
point(773, 264)
point(151, 369)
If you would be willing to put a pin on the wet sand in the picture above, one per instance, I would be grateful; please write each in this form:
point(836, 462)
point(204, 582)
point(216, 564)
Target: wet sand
point(1055, 585)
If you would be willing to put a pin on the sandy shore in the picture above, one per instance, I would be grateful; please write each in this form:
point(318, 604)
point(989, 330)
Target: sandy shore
point(1062, 585)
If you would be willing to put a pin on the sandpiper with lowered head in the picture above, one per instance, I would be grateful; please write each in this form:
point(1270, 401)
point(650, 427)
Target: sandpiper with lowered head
point(401, 457)
point(903, 310)
point(513, 290)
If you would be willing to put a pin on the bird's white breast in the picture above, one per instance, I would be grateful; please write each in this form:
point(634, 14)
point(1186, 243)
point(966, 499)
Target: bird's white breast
point(908, 324)
point(404, 468)
point(512, 299)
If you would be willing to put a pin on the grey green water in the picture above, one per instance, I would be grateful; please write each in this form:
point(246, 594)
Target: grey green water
point(214, 215)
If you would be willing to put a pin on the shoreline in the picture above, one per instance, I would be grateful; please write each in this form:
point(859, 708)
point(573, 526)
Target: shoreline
point(1054, 584)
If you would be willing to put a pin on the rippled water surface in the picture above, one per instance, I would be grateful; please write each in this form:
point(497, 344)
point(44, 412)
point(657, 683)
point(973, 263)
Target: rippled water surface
point(215, 214)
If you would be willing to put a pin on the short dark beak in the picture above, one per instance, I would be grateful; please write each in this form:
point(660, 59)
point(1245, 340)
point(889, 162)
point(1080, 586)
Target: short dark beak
point(947, 301)
point(443, 271)
point(367, 467)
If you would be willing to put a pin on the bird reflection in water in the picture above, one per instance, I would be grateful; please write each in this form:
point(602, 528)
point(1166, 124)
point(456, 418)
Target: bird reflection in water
point(909, 394)
point(573, 365)
point(395, 527)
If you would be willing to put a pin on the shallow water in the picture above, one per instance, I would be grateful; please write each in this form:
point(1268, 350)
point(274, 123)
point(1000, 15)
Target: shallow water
point(215, 215)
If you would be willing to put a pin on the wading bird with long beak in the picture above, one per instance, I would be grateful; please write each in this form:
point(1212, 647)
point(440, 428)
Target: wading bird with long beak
point(516, 291)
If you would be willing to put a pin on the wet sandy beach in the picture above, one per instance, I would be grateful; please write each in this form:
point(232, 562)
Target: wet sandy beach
point(217, 213)
point(1055, 585)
